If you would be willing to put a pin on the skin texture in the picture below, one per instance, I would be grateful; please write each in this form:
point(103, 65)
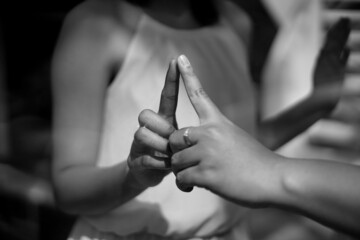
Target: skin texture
point(226, 160)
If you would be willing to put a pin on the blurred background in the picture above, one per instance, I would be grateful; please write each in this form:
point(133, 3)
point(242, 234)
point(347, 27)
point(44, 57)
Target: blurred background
point(28, 33)
point(287, 32)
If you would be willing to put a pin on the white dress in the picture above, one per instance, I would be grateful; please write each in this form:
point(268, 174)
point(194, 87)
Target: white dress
point(164, 212)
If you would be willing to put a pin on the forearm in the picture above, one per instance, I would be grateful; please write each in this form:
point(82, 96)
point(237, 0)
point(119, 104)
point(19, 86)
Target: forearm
point(328, 192)
point(88, 190)
point(279, 130)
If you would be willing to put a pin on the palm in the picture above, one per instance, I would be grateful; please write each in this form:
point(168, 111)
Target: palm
point(331, 63)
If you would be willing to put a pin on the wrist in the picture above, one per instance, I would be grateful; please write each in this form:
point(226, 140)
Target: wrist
point(276, 191)
point(292, 186)
point(132, 180)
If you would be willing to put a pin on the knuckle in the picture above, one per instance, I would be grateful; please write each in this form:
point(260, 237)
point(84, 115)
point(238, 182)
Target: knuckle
point(174, 161)
point(172, 138)
point(181, 177)
point(166, 95)
point(134, 165)
point(170, 129)
point(207, 174)
point(145, 161)
point(212, 131)
point(130, 163)
point(139, 135)
point(186, 180)
point(173, 147)
point(173, 143)
point(204, 175)
point(144, 115)
point(189, 72)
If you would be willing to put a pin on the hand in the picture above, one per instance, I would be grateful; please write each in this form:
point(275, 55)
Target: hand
point(218, 155)
point(341, 131)
point(149, 157)
point(331, 64)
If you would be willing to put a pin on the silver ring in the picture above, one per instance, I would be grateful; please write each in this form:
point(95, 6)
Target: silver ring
point(187, 137)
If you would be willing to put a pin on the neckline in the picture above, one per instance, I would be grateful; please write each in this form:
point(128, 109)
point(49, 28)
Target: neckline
point(180, 32)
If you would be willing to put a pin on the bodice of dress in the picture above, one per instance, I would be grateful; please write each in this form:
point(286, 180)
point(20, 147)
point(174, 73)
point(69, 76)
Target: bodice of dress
point(220, 61)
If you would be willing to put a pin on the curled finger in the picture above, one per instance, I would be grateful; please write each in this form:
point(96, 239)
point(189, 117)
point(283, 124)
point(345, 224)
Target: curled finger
point(187, 179)
point(182, 138)
point(184, 159)
point(146, 139)
point(180, 162)
point(156, 123)
point(149, 162)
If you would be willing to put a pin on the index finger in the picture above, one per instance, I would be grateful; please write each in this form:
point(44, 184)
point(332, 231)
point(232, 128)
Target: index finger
point(202, 104)
point(169, 94)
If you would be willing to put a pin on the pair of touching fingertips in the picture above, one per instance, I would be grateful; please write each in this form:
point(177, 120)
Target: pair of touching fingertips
point(183, 139)
point(179, 167)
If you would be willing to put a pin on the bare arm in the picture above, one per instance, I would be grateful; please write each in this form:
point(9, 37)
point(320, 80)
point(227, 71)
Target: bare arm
point(80, 74)
point(325, 191)
point(328, 78)
point(226, 160)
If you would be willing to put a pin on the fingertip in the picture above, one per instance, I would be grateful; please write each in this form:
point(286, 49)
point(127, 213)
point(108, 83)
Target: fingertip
point(172, 69)
point(172, 63)
point(183, 61)
point(185, 69)
point(144, 116)
point(183, 187)
point(169, 93)
point(176, 69)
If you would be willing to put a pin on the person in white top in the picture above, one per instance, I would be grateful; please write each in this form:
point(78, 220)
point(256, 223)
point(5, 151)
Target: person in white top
point(109, 65)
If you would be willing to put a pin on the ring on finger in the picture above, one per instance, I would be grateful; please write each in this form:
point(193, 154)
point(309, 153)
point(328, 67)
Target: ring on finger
point(186, 137)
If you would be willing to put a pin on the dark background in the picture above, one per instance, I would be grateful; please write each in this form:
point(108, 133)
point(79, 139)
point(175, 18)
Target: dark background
point(28, 32)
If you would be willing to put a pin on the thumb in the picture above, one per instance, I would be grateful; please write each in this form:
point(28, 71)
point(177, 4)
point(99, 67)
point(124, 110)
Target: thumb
point(169, 94)
point(204, 107)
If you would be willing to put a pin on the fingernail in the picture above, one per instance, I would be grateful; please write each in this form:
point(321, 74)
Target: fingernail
point(184, 61)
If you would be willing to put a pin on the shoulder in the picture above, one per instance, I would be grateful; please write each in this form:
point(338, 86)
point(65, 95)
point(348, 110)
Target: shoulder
point(100, 19)
point(101, 28)
point(238, 19)
point(97, 22)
